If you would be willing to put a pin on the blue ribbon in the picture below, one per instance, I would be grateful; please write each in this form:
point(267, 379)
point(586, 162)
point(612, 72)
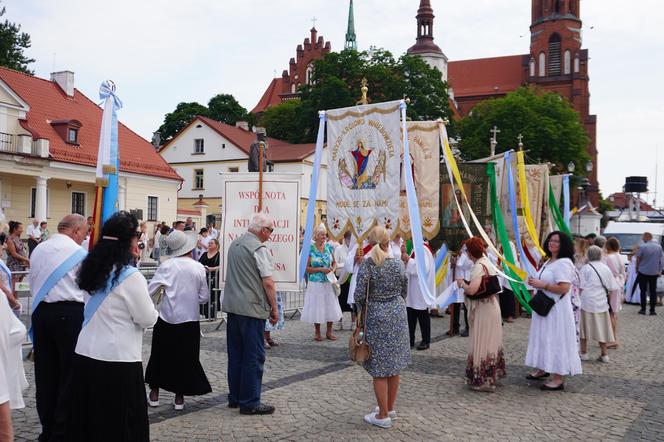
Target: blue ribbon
point(98, 297)
point(311, 204)
point(107, 89)
point(55, 277)
point(414, 214)
point(566, 200)
point(110, 193)
point(515, 220)
point(440, 256)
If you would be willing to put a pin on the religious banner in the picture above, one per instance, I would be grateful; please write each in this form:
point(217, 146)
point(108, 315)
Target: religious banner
point(538, 192)
point(363, 169)
point(281, 201)
point(423, 140)
point(475, 183)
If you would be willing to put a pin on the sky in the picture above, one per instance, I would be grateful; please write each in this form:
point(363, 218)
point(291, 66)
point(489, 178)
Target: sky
point(162, 52)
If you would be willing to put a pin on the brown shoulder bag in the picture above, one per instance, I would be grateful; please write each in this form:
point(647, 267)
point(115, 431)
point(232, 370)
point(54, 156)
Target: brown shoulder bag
point(357, 345)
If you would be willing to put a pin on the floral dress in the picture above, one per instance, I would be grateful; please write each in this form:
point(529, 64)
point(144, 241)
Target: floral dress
point(14, 264)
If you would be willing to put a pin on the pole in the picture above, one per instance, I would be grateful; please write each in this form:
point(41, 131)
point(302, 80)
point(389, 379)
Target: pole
point(261, 147)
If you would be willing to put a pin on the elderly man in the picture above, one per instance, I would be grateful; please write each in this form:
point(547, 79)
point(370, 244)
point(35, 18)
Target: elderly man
point(34, 235)
point(249, 299)
point(649, 267)
point(57, 316)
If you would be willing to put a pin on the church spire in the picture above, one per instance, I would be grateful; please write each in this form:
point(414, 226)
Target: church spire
point(351, 42)
point(424, 46)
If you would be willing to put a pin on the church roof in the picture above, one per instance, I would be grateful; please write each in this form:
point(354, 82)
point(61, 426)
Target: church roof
point(49, 104)
point(279, 151)
point(486, 76)
point(270, 96)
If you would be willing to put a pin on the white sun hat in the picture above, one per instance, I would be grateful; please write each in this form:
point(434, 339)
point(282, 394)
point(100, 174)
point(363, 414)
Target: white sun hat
point(180, 243)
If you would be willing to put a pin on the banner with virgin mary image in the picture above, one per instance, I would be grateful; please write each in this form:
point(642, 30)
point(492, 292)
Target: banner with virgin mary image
point(363, 169)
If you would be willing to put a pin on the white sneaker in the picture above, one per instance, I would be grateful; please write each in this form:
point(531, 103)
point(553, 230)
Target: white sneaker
point(178, 407)
point(584, 356)
point(373, 420)
point(391, 414)
point(604, 358)
point(151, 402)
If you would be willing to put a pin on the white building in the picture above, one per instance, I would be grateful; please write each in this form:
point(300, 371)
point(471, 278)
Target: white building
point(206, 148)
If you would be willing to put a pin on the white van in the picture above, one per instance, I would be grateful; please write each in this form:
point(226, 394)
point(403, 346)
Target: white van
point(630, 234)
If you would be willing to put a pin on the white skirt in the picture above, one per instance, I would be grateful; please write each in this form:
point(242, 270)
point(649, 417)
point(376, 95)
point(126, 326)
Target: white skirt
point(552, 343)
point(320, 304)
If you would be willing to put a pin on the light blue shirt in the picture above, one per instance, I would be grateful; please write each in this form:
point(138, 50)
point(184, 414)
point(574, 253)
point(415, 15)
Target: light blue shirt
point(650, 258)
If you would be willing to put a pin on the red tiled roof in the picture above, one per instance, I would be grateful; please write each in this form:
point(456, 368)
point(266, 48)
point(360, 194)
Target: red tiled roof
point(483, 75)
point(270, 96)
point(49, 103)
point(279, 151)
point(621, 201)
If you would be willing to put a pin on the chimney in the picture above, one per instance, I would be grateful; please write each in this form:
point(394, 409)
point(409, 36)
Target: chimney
point(64, 79)
point(242, 125)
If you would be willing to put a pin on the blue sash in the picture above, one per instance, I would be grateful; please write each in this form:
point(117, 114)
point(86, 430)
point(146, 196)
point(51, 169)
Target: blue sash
point(96, 300)
point(55, 277)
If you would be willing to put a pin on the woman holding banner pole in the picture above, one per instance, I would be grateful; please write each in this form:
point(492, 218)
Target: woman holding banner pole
point(108, 395)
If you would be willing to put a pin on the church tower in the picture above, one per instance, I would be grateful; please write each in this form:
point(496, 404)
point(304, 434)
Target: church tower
point(424, 46)
point(351, 41)
point(558, 63)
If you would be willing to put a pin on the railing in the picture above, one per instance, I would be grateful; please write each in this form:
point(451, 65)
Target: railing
point(7, 142)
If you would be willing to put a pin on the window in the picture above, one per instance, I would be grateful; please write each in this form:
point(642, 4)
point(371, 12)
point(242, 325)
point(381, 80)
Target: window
point(554, 55)
point(567, 63)
point(542, 64)
point(78, 203)
point(72, 135)
point(198, 179)
point(310, 73)
point(199, 145)
point(153, 202)
point(532, 67)
point(577, 63)
point(233, 169)
point(33, 202)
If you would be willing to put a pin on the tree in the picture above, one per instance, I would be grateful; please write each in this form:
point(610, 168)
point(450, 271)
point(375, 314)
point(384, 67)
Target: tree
point(282, 121)
point(337, 83)
point(225, 108)
point(177, 120)
point(12, 44)
point(551, 128)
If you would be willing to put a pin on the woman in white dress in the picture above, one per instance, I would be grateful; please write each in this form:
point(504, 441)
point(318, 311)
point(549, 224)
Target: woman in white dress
point(614, 262)
point(632, 290)
point(552, 346)
point(320, 302)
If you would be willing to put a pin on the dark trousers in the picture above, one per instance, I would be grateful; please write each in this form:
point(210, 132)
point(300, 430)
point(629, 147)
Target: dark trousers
point(456, 313)
point(648, 285)
point(507, 303)
point(246, 356)
point(421, 316)
point(55, 328)
point(31, 246)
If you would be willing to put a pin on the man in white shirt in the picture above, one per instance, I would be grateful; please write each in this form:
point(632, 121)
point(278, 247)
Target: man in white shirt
point(34, 235)
point(460, 267)
point(56, 321)
point(416, 306)
point(214, 233)
point(340, 257)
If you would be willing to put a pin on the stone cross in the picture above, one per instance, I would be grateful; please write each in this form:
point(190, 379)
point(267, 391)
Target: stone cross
point(495, 131)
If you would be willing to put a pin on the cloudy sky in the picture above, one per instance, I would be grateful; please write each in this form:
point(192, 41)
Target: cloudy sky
point(162, 52)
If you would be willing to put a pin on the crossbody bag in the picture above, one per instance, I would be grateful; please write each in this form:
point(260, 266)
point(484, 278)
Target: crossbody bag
point(608, 293)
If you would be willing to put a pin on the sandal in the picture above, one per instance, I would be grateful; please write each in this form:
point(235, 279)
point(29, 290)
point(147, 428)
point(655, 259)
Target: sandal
point(330, 336)
point(318, 338)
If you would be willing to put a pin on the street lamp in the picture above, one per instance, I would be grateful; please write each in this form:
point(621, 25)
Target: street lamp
point(571, 166)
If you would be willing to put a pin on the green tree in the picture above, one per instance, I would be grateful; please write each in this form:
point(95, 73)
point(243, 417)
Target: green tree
point(337, 83)
point(12, 44)
point(225, 108)
point(177, 120)
point(283, 121)
point(551, 128)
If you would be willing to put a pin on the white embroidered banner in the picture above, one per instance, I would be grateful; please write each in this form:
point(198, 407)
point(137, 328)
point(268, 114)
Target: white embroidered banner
point(363, 169)
point(423, 140)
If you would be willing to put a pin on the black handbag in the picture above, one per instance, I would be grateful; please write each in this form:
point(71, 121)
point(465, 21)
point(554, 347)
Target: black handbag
point(541, 303)
point(489, 286)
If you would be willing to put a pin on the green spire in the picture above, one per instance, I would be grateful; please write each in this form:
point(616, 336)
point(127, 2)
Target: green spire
point(351, 42)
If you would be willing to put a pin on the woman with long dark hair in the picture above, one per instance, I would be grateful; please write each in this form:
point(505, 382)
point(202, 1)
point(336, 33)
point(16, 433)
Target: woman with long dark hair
point(17, 261)
point(552, 346)
point(109, 402)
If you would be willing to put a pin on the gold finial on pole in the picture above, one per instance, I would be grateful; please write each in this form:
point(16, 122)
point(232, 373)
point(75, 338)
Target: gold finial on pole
point(446, 121)
point(364, 90)
point(520, 138)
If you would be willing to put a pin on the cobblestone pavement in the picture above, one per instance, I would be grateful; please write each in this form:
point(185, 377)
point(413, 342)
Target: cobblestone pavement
point(320, 395)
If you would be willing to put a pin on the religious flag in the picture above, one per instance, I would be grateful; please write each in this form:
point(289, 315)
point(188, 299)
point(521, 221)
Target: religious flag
point(108, 160)
point(423, 140)
point(363, 168)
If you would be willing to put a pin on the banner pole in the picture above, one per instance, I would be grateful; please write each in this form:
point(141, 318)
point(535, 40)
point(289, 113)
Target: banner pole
point(261, 147)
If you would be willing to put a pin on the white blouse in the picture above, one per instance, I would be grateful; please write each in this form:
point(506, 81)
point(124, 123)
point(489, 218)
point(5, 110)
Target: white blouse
point(115, 332)
point(186, 287)
point(593, 295)
point(12, 375)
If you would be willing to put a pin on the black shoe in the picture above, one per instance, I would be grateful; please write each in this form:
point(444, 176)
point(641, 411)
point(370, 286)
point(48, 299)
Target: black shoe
point(642, 311)
point(464, 334)
point(233, 405)
point(530, 377)
point(261, 409)
point(545, 387)
point(423, 346)
point(652, 313)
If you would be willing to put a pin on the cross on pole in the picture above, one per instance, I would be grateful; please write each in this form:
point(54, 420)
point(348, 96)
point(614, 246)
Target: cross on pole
point(493, 142)
point(313, 20)
point(520, 138)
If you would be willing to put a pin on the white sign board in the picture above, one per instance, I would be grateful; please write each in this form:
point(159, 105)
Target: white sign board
point(281, 201)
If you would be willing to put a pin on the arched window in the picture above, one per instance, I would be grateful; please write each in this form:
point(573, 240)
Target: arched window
point(567, 62)
point(310, 73)
point(557, 6)
point(532, 67)
point(554, 54)
point(293, 88)
point(542, 64)
point(577, 63)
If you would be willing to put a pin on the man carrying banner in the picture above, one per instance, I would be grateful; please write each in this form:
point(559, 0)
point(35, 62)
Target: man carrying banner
point(416, 305)
point(57, 315)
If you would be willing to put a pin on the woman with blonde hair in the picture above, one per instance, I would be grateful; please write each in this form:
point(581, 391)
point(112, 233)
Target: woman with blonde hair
point(381, 286)
point(320, 302)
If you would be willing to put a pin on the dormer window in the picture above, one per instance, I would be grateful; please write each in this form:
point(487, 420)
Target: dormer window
point(68, 130)
point(72, 135)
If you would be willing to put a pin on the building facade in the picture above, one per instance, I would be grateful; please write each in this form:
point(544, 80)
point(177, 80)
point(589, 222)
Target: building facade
point(49, 138)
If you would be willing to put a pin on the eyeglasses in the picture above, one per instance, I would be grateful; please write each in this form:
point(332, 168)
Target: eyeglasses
point(270, 229)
